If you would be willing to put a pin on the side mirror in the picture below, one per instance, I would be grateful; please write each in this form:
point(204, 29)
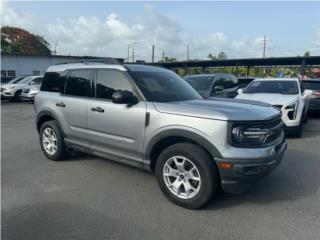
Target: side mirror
point(240, 91)
point(307, 92)
point(124, 97)
point(218, 88)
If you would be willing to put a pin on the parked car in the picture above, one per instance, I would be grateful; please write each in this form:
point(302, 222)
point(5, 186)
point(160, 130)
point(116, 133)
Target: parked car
point(214, 85)
point(244, 81)
point(287, 94)
point(314, 86)
point(28, 93)
point(150, 118)
point(13, 89)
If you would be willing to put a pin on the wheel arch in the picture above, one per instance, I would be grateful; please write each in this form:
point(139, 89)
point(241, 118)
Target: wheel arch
point(43, 117)
point(169, 137)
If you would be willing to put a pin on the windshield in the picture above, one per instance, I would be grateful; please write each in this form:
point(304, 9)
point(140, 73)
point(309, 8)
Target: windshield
point(312, 85)
point(25, 80)
point(199, 83)
point(16, 80)
point(36, 81)
point(273, 86)
point(164, 86)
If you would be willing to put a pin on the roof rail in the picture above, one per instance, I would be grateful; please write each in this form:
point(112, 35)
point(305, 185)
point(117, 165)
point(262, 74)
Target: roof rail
point(116, 61)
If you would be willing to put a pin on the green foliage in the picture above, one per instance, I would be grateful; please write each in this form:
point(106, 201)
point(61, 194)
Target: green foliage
point(19, 41)
point(221, 56)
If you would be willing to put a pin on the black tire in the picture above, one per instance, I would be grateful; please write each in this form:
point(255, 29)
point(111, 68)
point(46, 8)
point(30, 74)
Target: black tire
point(16, 96)
point(205, 164)
point(305, 118)
point(60, 153)
point(299, 130)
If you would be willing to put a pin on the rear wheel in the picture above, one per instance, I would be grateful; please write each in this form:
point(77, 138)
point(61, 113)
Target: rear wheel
point(187, 175)
point(51, 141)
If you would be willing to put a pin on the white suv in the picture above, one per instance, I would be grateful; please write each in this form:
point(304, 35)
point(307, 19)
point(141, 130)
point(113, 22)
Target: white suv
point(286, 94)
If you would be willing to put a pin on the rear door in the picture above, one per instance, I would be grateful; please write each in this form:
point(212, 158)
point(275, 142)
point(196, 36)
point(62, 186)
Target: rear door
point(116, 130)
point(73, 103)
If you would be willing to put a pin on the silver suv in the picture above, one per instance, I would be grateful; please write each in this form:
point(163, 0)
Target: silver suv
point(150, 118)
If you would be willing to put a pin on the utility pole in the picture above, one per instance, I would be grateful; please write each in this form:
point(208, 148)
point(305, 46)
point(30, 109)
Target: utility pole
point(264, 46)
point(128, 59)
point(188, 52)
point(152, 58)
point(162, 56)
point(133, 55)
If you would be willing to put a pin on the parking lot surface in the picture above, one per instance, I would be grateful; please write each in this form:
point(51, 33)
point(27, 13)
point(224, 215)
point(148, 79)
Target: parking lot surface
point(92, 198)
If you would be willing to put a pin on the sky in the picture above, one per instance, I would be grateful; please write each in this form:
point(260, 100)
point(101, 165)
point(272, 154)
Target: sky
point(107, 28)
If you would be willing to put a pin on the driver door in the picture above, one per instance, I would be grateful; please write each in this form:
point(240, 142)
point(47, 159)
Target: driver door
point(116, 130)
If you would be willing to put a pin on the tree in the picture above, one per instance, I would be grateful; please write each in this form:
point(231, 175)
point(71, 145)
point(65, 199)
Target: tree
point(221, 56)
point(307, 54)
point(19, 41)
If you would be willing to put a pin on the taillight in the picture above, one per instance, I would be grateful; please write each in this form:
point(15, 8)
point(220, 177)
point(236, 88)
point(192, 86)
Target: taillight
point(317, 93)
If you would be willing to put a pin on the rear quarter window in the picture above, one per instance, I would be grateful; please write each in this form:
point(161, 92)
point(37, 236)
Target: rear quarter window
point(53, 82)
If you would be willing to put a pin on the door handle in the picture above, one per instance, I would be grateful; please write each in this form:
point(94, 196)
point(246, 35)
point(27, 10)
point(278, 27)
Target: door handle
point(60, 104)
point(97, 109)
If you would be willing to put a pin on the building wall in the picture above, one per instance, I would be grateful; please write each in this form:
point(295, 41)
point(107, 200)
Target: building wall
point(31, 65)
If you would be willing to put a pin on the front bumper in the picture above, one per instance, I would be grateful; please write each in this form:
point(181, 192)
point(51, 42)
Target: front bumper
point(7, 94)
point(244, 172)
point(28, 96)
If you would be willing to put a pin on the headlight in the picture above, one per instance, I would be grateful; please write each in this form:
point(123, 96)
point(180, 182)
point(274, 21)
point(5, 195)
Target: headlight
point(292, 110)
point(249, 135)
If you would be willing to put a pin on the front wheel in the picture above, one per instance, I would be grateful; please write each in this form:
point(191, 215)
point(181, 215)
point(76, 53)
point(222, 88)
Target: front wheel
point(187, 175)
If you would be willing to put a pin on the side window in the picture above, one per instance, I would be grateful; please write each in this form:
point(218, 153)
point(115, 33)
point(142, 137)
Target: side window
point(110, 81)
point(78, 83)
point(53, 82)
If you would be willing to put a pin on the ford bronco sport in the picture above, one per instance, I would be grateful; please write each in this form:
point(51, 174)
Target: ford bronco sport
point(150, 118)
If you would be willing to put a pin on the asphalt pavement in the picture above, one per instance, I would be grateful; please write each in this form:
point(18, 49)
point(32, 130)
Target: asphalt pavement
point(93, 198)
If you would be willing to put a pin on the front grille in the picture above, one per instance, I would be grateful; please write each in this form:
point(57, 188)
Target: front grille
point(26, 90)
point(274, 127)
point(278, 106)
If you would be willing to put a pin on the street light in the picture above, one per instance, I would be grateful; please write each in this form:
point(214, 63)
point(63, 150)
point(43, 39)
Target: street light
point(131, 45)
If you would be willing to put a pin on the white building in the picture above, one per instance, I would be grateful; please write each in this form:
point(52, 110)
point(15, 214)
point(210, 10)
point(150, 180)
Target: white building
point(15, 65)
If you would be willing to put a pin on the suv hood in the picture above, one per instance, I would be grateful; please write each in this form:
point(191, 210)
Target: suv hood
point(273, 99)
point(220, 109)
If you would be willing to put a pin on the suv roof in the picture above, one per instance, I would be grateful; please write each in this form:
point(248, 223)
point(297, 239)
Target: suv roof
point(121, 67)
point(207, 75)
point(276, 79)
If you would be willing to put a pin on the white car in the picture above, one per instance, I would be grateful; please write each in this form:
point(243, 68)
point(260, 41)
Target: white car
point(13, 89)
point(286, 94)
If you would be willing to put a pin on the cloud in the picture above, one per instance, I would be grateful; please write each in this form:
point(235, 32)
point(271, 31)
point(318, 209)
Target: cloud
point(89, 35)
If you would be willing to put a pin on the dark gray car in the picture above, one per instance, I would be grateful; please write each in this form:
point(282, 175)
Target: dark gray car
point(214, 85)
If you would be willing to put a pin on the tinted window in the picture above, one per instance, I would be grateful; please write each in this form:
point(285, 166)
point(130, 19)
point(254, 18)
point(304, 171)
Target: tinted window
point(53, 82)
point(110, 81)
point(199, 83)
point(227, 82)
point(164, 86)
point(273, 86)
point(78, 83)
point(312, 85)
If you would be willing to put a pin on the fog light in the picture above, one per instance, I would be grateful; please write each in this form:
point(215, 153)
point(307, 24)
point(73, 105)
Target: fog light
point(224, 165)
